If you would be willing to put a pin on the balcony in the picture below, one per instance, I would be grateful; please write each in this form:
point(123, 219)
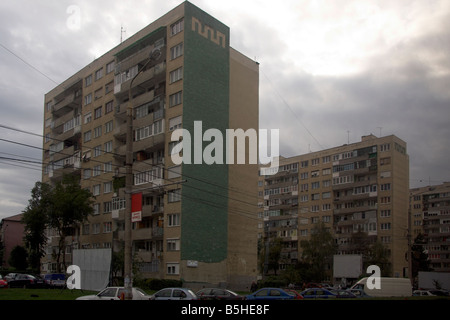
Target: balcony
point(147, 78)
point(67, 104)
point(149, 144)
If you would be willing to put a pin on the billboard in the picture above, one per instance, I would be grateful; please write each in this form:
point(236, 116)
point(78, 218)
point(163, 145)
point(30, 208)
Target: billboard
point(347, 266)
point(95, 265)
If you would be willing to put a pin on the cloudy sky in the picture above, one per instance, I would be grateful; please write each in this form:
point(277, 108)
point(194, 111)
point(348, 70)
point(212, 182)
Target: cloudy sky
point(331, 71)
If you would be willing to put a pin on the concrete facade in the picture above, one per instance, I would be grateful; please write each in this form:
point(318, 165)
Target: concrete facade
point(189, 227)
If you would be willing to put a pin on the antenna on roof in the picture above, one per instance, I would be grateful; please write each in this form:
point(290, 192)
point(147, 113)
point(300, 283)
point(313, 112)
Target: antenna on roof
point(380, 130)
point(122, 31)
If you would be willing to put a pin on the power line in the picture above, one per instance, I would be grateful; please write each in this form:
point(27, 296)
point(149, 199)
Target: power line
point(289, 107)
point(27, 63)
point(119, 166)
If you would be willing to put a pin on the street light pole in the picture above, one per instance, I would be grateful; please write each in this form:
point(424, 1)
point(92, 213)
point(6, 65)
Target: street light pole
point(128, 279)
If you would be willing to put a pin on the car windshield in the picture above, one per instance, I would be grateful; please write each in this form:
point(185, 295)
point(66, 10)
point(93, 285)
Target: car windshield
point(140, 291)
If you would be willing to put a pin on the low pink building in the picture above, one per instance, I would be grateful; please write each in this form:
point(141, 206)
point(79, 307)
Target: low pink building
point(11, 235)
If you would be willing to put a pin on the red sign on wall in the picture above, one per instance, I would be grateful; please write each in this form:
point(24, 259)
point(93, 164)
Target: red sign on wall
point(136, 207)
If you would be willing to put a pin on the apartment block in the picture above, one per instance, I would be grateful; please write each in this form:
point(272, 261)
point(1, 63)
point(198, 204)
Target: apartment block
point(193, 223)
point(430, 216)
point(354, 189)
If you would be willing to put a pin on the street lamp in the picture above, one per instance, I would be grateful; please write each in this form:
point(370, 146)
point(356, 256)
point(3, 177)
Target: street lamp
point(128, 279)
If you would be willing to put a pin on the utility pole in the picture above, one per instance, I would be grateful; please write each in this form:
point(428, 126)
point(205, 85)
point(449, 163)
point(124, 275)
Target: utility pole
point(128, 279)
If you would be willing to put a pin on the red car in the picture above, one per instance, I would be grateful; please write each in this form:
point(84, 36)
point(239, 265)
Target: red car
point(3, 283)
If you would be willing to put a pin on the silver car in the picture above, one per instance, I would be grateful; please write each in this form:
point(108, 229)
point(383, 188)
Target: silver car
point(116, 293)
point(174, 294)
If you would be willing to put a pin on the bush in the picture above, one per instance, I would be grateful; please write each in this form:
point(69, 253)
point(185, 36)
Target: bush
point(272, 282)
point(157, 284)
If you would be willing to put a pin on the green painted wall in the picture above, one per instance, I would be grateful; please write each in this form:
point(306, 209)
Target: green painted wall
point(205, 98)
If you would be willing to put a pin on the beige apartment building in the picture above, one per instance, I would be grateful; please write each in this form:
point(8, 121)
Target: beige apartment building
point(358, 187)
point(193, 222)
point(430, 216)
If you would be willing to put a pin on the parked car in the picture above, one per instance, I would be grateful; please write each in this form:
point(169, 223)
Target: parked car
point(26, 281)
point(295, 293)
point(317, 293)
point(439, 292)
point(270, 294)
point(10, 276)
point(341, 293)
point(174, 294)
point(422, 293)
point(116, 293)
point(54, 280)
point(389, 287)
point(218, 294)
point(359, 293)
point(3, 283)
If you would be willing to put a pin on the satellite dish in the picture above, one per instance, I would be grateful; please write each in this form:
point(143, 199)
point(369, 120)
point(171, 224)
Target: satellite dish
point(155, 54)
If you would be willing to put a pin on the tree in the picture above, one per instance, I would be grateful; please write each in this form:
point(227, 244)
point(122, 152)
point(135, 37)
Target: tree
point(420, 261)
point(18, 258)
point(35, 220)
point(319, 250)
point(70, 205)
point(378, 255)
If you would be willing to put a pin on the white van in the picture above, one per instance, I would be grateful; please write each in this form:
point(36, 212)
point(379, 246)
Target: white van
point(389, 287)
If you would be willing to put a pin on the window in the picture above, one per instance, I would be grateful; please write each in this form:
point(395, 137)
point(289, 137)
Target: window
point(96, 209)
point(97, 151)
point(173, 244)
point(385, 161)
point(86, 173)
point(98, 94)
point(108, 167)
point(385, 147)
point(176, 75)
point(87, 117)
point(95, 228)
point(107, 187)
point(174, 195)
point(98, 74)
point(173, 219)
point(385, 213)
point(107, 207)
point(386, 226)
point(148, 176)
point(109, 87)
point(109, 126)
point(173, 268)
point(87, 136)
point(109, 107)
point(97, 112)
point(96, 190)
point(108, 146)
point(107, 227)
point(110, 67)
point(175, 123)
point(88, 80)
point(97, 170)
point(88, 99)
point(175, 99)
point(176, 51)
point(97, 131)
point(177, 27)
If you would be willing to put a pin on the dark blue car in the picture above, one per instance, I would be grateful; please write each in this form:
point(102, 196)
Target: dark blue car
point(270, 294)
